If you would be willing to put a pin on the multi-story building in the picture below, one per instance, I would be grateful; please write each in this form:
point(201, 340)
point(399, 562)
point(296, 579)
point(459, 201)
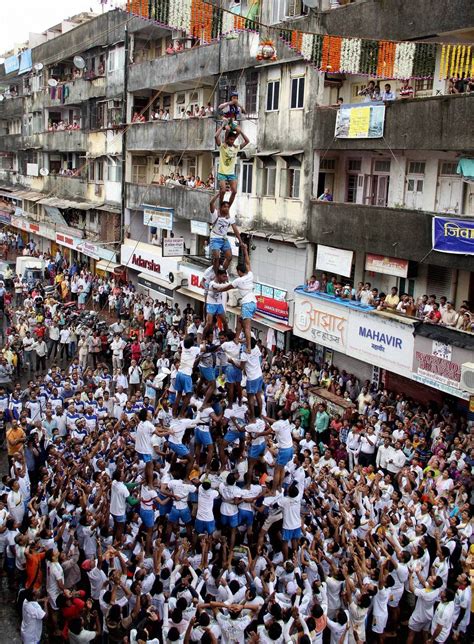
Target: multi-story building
point(385, 191)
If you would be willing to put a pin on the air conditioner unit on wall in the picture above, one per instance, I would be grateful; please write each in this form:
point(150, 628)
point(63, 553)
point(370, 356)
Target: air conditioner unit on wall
point(467, 377)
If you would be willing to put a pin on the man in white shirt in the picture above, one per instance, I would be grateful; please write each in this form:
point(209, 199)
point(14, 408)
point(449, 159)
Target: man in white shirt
point(184, 383)
point(28, 343)
point(251, 363)
point(291, 507)
point(284, 440)
point(427, 596)
point(443, 617)
point(245, 285)
point(215, 301)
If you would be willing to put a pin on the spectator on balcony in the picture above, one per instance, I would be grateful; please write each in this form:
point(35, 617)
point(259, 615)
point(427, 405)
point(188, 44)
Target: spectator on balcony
point(167, 115)
point(391, 301)
point(202, 112)
point(326, 195)
point(387, 94)
point(449, 316)
point(368, 92)
point(406, 90)
point(365, 295)
point(407, 305)
point(452, 89)
point(377, 93)
point(434, 316)
point(209, 110)
point(138, 118)
point(464, 322)
point(312, 285)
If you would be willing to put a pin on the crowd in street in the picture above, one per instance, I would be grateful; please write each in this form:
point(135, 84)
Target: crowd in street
point(154, 495)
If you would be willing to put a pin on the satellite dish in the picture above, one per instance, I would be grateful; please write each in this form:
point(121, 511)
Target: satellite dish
point(38, 67)
point(52, 82)
point(2, 98)
point(310, 3)
point(44, 172)
point(79, 62)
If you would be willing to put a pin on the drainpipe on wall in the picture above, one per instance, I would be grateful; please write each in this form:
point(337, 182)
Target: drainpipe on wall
point(124, 132)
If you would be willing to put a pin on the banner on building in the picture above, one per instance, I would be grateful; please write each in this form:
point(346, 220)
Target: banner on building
point(25, 61)
point(334, 260)
point(272, 302)
point(12, 64)
point(453, 235)
point(360, 121)
point(172, 246)
point(158, 217)
point(386, 265)
point(199, 228)
point(321, 322)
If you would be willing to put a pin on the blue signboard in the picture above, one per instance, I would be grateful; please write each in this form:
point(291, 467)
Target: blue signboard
point(12, 64)
point(453, 235)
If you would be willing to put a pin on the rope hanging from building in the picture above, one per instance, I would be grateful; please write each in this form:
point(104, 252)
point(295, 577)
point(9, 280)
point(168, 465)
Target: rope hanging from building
point(331, 54)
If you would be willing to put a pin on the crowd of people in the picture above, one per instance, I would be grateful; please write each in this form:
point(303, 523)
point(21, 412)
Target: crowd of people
point(172, 480)
point(426, 308)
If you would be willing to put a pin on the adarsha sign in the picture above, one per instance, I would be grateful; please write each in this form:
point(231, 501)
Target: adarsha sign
point(147, 264)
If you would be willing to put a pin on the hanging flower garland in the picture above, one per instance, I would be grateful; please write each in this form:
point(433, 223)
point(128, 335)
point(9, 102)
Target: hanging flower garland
point(404, 56)
point(307, 46)
point(350, 55)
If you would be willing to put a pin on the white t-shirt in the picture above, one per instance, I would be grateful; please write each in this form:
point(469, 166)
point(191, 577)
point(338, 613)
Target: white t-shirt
point(145, 431)
point(188, 357)
point(228, 494)
point(256, 430)
point(182, 491)
point(221, 225)
point(291, 511)
point(443, 617)
point(54, 574)
point(118, 496)
point(253, 366)
point(245, 286)
point(282, 429)
point(214, 296)
point(231, 349)
point(32, 622)
point(147, 496)
point(206, 499)
point(177, 429)
point(97, 577)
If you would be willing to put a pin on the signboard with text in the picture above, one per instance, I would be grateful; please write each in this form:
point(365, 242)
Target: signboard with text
point(172, 246)
point(360, 121)
point(272, 302)
point(453, 235)
point(386, 265)
point(158, 216)
point(145, 258)
point(321, 322)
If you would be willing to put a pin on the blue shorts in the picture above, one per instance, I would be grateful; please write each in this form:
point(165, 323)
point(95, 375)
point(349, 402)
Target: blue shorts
point(221, 244)
point(284, 456)
point(179, 449)
point(226, 177)
point(148, 517)
point(146, 458)
point(202, 437)
point(256, 450)
point(233, 374)
point(202, 527)
point(254, 386)
point(184, 383)
point(165, 509)
point(233, 435)
point(215, 309)
point(248, 310)
point(208, 373)
point(288, 535)
point(119, 518)
point(171, 397)
point(175, 515)
point(232, 521)
point(246, 518)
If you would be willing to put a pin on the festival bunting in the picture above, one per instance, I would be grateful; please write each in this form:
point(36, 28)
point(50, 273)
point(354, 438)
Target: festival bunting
point(334, 54)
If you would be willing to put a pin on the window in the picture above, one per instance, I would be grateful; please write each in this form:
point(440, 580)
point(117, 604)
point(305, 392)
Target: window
point(279, 9)
point(251, 92)
point(247, 177)
point(268, 179)
point(295, 8)
point(116, 59)
point(448, 167)
point(96, 170)
point(139, 165)
point(354, 165)
point(423, 85)
point(114, 170)
point(297, 93)
point(416, 167)
point(327, 164)
point(273, 96)
point(382, 165)
point(415, 185)
point(293, 177)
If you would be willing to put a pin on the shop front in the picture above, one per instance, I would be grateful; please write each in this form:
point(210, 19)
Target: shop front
point(154, 275)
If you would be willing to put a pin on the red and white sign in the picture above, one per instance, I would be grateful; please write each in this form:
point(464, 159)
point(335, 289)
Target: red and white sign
point(66, 240)
point(194, 277)
point(86, 248)
point(386, 265)
point(271, 301)
point(146, 258)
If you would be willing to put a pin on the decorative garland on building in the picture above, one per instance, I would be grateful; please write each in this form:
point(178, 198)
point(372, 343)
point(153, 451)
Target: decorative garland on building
point(334, 54)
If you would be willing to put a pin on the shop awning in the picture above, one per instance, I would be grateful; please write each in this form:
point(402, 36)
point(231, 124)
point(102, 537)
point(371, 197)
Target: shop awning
point(55, 216)
point(267, 153)
point(466, 169)
point(107, 267)
point(110, 208)
point(65, 203)
point(156, 284)
point(273, 324)
point(29, 195)
point(289, 153)
point(446, 335)
point(192, 294)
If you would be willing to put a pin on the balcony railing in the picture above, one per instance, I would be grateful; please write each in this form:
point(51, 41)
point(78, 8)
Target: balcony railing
point(392, 232)
point(188, 203)
point(434, 123)
point(181, 134)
